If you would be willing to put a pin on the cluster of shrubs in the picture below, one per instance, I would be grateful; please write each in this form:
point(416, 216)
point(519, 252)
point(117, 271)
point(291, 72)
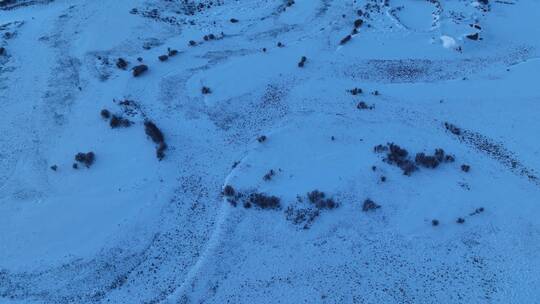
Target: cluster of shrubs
point(320, 201)
point(400, 157)
point(477, 211)
point(355, 91)
point(86, 159)
point(357, 24)
point(264, 201)
point(460, 220)
point(210, 37)
point(306, 216)
point(232, 195)
point(364, 106)
point(157, 137)
point(170, 53)
point(397, 156)
point(432, 161)
point(115, 121)
point(260, 200)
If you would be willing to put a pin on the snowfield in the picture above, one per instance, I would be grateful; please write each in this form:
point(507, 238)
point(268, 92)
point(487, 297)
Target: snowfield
point(271, 152)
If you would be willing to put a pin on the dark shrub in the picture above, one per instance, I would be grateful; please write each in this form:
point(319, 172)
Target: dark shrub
point(326, 204)
point(54, 167)
point(119, 122)
point(369, 205)
point(383, 179)
point(139, 70)
point(477, 211)
point(439, 154)
point(121, 63)
point(192, 43)
point(206, 90)
point(358, 23)
point(426, 161)
point(247, 205)
point(160, 151)
point(157, 136)
point(85, 158)
point(315, 196)
point(396, 152)
point(302, 62)
point(363, 106)
point(465, 168)
point(318, 198)
point(268, 176)
point(105, 114)
point(279, 44)
point(408, 167)
point(452, 128)
point(474, 36)
point(154, 132)
point(264, 201)
point(172, 53)
point(399, 157)
point(435, 222)
point(380, 149)
point(261, 138)
point(75, 166)
point(345, 40)
point(163, 58)
point(229, 191)
point(460, 220)
point(233, 20)
point(356, 91)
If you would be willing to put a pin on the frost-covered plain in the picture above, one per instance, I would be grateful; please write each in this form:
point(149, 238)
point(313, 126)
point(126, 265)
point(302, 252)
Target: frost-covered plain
point(461, 76)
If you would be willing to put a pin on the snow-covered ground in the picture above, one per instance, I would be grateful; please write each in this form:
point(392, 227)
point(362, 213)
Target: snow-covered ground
point(461, 76)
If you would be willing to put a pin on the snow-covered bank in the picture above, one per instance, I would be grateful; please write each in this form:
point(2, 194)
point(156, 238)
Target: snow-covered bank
point(264, 96)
